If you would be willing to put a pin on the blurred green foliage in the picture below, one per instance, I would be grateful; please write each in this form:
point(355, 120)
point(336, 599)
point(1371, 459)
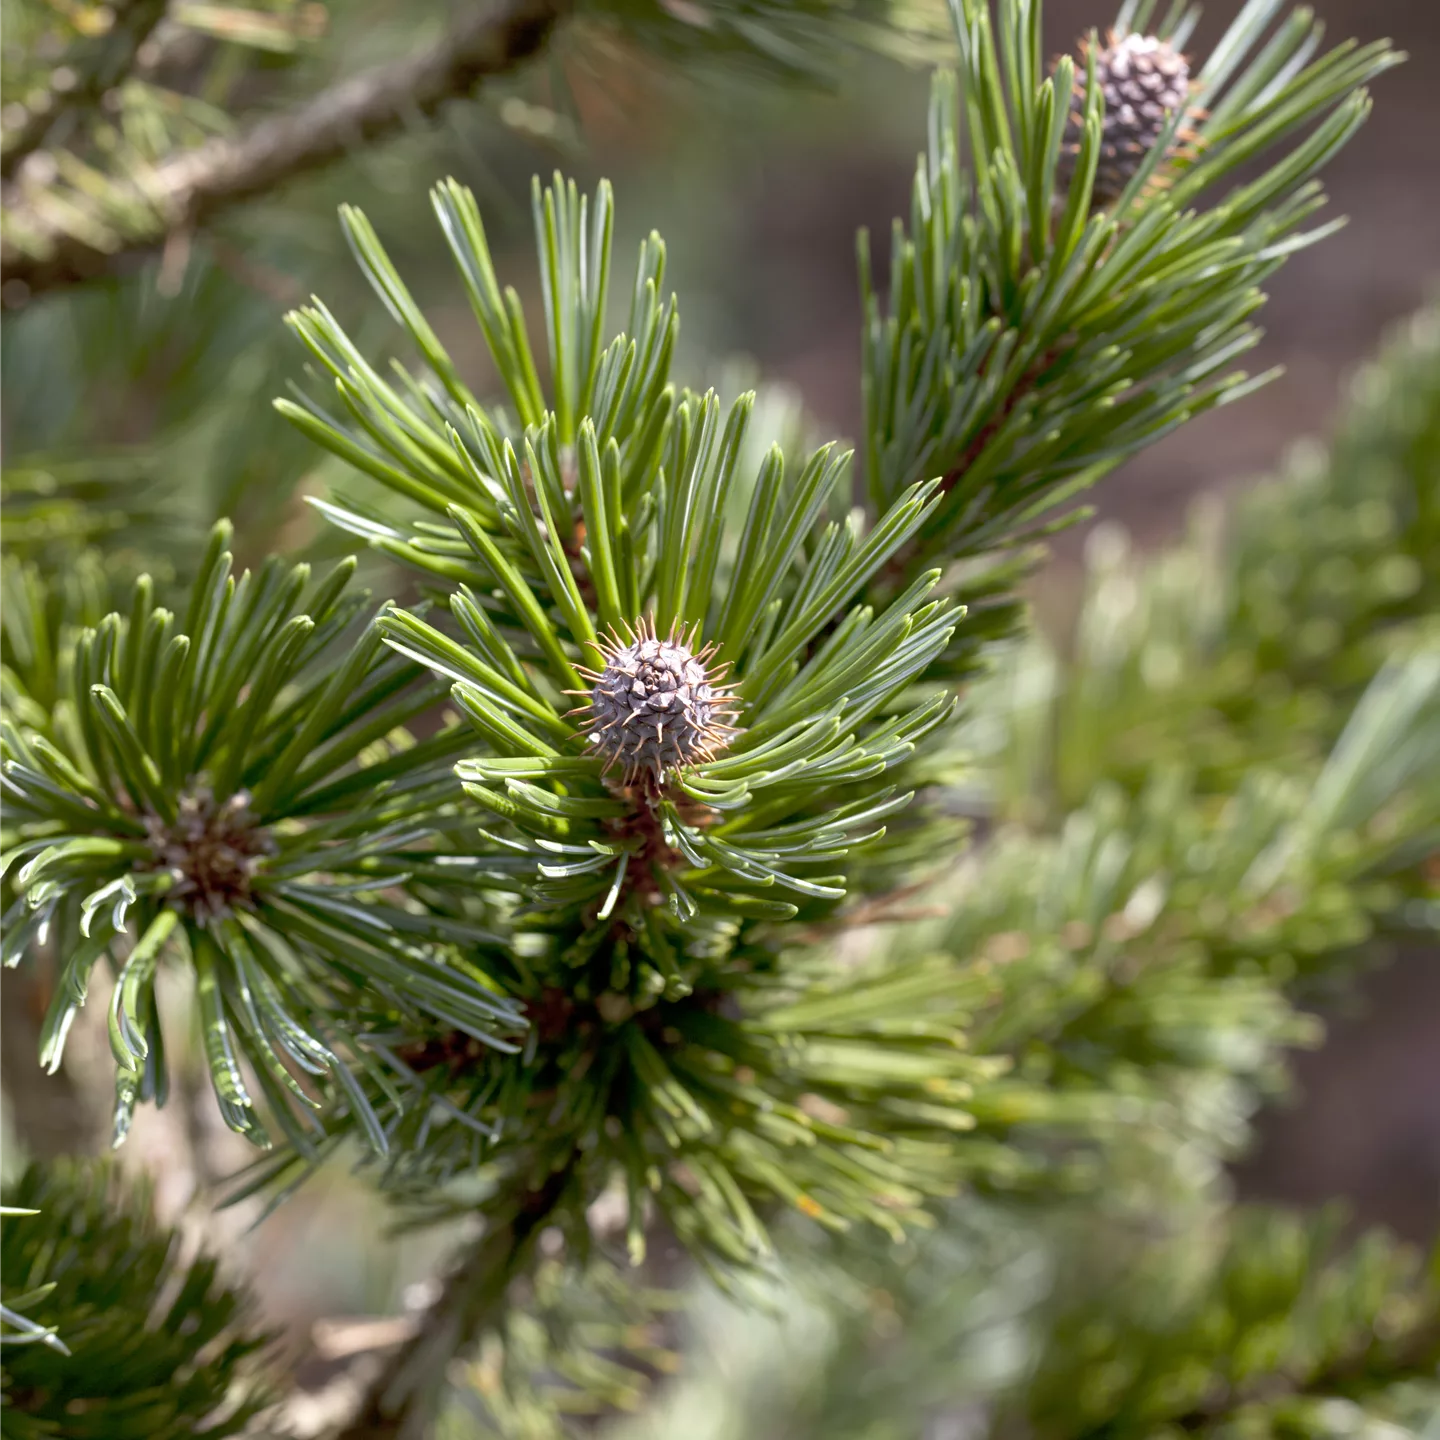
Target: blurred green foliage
point(160, 1348)
point(1249, 642)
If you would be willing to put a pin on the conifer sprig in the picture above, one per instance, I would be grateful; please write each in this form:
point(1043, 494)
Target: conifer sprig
point(1245, 644)
point(158, 1344)
point(236, 786)
point(1262, 1324)
point(624, 507)
point(616, 506)
point(1029, 341)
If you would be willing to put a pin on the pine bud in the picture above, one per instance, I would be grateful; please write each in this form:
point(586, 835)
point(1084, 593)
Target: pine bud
point(656, 705)
point(213, 849)
point(1144, 80)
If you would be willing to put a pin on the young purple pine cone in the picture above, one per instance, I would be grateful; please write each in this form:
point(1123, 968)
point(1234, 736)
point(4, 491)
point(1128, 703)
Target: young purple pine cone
point(656, 705)
point(1144, 80)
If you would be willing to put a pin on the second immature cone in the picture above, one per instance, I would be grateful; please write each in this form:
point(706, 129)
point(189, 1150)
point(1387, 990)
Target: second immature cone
point(1145, 80)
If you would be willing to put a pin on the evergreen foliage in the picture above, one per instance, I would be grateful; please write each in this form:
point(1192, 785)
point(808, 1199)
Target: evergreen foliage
point(1138, 963)
point(1034, 338)
point(156, 1347)
point(240, 775)
point(1248, 642)
point(589, 876)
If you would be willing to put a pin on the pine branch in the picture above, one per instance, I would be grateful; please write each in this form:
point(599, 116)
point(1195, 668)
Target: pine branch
point(402, 1400)
point(188, 190)
point(247, 789)
point(1040, 326)
point(95, 65)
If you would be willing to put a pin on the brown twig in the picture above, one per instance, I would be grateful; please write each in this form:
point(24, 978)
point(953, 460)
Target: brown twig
point(402, 1399)
point(187, 190)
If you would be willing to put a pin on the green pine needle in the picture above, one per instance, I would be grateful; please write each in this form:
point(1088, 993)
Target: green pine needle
point(236, 788)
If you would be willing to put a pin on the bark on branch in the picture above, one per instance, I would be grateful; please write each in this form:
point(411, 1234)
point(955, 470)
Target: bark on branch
point(401, 1401)
point(182, 193)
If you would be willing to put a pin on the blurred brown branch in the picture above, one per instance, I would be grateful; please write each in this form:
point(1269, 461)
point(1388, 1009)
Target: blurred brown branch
point(181, 193)
point(369, 1377)
point(404, 1393)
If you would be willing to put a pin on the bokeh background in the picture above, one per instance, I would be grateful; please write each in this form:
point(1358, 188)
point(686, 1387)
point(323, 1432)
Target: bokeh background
point(759, 195)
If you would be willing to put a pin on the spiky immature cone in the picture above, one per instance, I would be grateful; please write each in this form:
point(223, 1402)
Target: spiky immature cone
point(657, 706)
point(1144, 80)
